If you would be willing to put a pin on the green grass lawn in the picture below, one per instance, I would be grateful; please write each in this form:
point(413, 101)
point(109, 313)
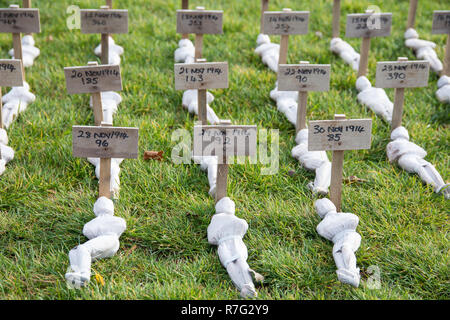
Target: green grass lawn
point(46, 195)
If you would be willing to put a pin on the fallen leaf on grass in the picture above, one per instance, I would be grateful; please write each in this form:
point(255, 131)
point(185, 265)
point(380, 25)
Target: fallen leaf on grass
point(99, 279)
point(155, 155)
point(353, 179)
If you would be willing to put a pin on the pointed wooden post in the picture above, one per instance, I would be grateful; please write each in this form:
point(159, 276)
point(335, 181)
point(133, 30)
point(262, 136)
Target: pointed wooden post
point(264, 8)
point(202, 101)
point(199, 41)
point(339, 135)
point(105, 43)
point(401, 74)
point(336, 18)
point(441, 25)
point(185, 6)
point(367, 25)
point(284, 44)
point(17, 44)
point(109, 3)
point(105, 173)
point(97, 105)
point(11, 75)
point(412, 14)
point(222, 171)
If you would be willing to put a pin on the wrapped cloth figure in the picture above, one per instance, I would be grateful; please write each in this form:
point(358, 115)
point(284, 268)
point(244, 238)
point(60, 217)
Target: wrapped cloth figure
point(409, 157)
point(226, 231)
point(375, 99)
point(443, 92)
point(29, 51)
point(103, 233)
point(423, 49)
point(346, 52)
point(268, 51)
point(114, 53)
point(340, 228)
point(185, 53)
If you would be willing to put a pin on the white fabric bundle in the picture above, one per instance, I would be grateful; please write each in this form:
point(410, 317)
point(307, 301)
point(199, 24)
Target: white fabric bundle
point(409, 156)
point(375, 99)
point(115, 171)
point(340, 228)
point(15, 101)
point(29, 51)
point(114, 53)
point(443, 92)
point(185, 53)
point(269, 52)
point(209, 164)
point(6, 153)
point(190, 102)
point(346, 52)
point(103, 233)
point(226, 231)
point(423, 49)
point(311, 160)
point(110, 101)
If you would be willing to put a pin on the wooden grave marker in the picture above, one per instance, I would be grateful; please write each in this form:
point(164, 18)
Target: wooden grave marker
point(11, 75)
point(199, 22)
point(93, 79)
point(401, 74)
point(303, 77)
point(441, 25)
point(336, 18)
point(285, 23)
point(223, 141)
point(367, 25)
point(104, 21)
point(105, 142)
point(16, 21)
point(264, 8)
point(339, 135)
point(412, 14)
point(201, 76)
point(185, 6)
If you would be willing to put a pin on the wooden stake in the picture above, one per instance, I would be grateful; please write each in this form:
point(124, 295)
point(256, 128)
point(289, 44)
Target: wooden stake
point(105, 43)
point(446, 70)
point(336, 18)
point(412, 14)
point(105, 172)
point(398, 104)
point(199, 41)
point(17, 44)
point(364, 58)
point(264, 7)
point(222, 173)
point(185, 6)
point(202, 102)
point(301, 108)
point(1, 109)
point(97, 105)
point(336, 173)
point(109, 3)
point(284, 44)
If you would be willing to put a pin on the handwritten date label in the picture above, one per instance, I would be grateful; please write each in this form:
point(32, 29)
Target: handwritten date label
point(208, 75)
point(368, 25)
point(217, 140)
point(11, 73)
point(200, 21)
point(310, 77)
point(105, 142)
point(104, 21)
point(284, 23)
point(441, 22)
point(407, 74)
point(19, 21)
point(92, 79)
point(339, 134)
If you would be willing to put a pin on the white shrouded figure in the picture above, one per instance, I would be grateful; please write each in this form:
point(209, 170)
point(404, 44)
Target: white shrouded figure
point(311, 160)
point(103, 233)
point(114, 52)
point(110, 101)
point(209, 164)
point(346, 52)
point(6, 153)
point(29, 51)
point(268, 51)
point(185, 53)
point(115, 172)
point(340, 228)
point(443, 92)
point(16, 101)
point(375, 99)
point(423, 49)
point(315, 161)
point(409, 156)
point(226, 231)
point(190, 102)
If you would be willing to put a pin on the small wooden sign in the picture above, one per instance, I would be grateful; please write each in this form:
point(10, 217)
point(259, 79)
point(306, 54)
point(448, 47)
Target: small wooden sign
point(225, 140)
point(19, 20)
point(441, 22)
point(205, 75)
point(368, 25)
point(90, 79)
point(285, 22)
point(310, 77)
point(200, 21)
point(105, 142)
point(399, 74)
point(11, 73)
point(339, 134)
point(104, 21)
